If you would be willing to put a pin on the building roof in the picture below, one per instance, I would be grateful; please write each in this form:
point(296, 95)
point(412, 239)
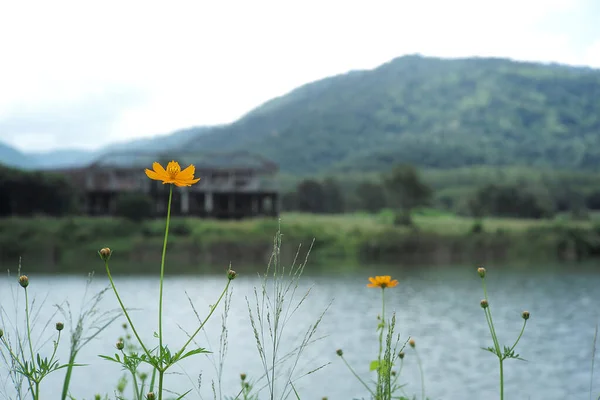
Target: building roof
point(229, 161)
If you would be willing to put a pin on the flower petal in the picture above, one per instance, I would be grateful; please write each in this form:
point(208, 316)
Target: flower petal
point(153, 175)
point(159, 169)
point(185, 182)
point(187, 173)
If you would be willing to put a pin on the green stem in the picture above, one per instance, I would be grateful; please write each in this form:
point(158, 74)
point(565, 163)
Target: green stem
point(399, 372)
point(382, 325)
point(55, 347)
point(422, 375)
point(28, 328)
point(357, 377)
point(138, 395)
point(501, 380)
point(68, 375)
point(380, 389)
point(488, 315)
point(212, 309)
point(37, 391)
point(161, 375)
point(491, 322)
point(160, 295)
point(112, 283)
point(152, 380)
point(520, 334)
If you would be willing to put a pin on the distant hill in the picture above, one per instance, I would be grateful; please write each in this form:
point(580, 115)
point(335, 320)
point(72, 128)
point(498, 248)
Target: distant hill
point(160, 142)
point(13, 157)
point(432, 112)
point(74, 158)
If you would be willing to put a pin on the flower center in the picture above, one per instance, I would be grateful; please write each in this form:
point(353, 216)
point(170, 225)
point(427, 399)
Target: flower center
point(173, 169)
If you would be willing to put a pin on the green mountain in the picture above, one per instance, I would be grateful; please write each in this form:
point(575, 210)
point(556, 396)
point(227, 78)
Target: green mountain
point(432, 112)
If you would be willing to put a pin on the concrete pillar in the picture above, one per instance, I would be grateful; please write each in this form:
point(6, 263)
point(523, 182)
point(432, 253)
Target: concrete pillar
point(254, 200)
point(89, 180)
point(98, 204)
point(267, 205)
point(208, 202)
point(85, 204)
point(231, 204)
point(259, 201)
point(112, 204)
point(185, 201)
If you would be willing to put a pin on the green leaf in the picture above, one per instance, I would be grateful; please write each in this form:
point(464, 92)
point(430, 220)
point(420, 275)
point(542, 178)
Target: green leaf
point(374, 365)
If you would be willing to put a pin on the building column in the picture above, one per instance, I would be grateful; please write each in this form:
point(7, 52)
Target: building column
point(231, 205)
point(185, 201)
point(259, 200)
point(208, 203)
point(112, 204)
point(254, 200)
point(85, 204)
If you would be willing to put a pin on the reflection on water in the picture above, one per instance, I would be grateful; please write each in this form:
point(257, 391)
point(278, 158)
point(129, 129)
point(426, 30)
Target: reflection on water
point(437, 306)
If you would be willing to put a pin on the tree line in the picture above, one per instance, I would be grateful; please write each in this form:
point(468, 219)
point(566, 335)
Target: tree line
point(403, 189)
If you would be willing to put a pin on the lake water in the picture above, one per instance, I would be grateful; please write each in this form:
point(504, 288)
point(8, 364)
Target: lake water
point(438, 307)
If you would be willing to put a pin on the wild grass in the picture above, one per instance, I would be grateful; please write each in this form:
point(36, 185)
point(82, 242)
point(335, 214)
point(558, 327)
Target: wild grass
point(21, 351)
point(274, 304)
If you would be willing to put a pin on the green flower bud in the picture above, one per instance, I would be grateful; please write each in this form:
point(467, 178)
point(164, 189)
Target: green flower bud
point(231, 274)
point(105, 254)
point(23, 281)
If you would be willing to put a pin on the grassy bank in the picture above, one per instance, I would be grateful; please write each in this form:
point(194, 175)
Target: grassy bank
point(57, 245)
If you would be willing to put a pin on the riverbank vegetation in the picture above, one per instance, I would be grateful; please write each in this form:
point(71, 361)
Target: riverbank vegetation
point(57, 245)
point(405, 215)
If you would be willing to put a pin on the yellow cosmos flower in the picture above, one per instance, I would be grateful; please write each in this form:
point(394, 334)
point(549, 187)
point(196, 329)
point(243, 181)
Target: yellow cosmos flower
point(382, 282)
point(173, 174)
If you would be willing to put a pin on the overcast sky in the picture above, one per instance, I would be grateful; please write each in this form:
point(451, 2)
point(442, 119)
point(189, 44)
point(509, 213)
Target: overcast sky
point(81, 74)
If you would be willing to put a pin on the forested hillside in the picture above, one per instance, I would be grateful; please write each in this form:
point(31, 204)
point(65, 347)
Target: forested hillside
point(429, 112)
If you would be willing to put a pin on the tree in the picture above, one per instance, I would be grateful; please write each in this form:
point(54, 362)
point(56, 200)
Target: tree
point(289, 201)
point(333, 198)
point(511, 201)
point(371, 196)
point(406, 191)
point(134, 206)
point(592, 201)
point(310, 196)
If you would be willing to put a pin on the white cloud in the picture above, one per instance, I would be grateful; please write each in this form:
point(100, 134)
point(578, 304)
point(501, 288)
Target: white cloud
point(208, 62)
point(592, 55)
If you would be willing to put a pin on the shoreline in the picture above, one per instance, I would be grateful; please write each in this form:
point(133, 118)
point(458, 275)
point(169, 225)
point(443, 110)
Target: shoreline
point(60, 245)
